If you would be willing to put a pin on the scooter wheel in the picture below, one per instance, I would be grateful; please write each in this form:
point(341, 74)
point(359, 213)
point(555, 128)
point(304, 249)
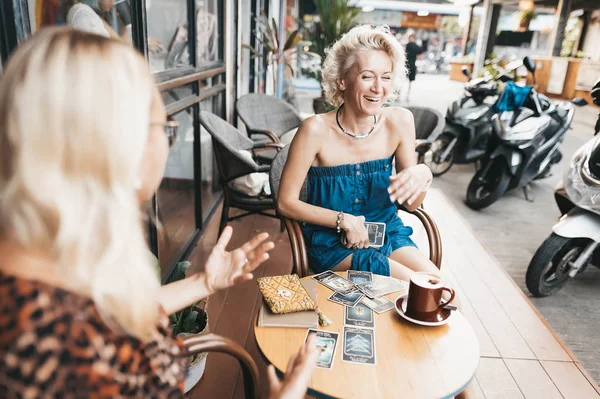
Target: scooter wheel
point(549, 268)
point(438, 147)
point(487, 186)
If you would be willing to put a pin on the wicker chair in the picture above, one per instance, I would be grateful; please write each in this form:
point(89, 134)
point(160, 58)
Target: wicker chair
point(299, 256)
point(227, 144)
point(267, 115)
point(429, 123)
point(216, 343)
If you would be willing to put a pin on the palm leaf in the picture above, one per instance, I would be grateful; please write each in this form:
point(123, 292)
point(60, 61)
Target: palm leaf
point(292, 40)
point(276, 34)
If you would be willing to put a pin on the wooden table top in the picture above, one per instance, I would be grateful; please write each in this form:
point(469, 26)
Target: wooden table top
point(413, 361)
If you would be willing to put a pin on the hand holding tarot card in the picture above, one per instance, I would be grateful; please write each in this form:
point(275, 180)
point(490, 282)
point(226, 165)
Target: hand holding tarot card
point(376, 232)
point(326, 342)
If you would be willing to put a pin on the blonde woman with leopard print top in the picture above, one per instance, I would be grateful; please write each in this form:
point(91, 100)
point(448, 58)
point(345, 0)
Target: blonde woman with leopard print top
point(82, 314)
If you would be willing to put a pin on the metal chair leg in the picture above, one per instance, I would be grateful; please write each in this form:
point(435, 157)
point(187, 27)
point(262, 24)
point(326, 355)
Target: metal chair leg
point(224, 218)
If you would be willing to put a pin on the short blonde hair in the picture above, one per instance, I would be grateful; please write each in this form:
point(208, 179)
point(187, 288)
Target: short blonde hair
point(342, 57)
point(74, 122)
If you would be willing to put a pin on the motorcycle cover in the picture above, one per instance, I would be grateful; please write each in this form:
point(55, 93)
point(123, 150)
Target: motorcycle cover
point(512, 97)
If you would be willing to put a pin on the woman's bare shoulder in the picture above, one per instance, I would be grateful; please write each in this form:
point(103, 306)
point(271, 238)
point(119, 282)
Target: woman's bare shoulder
point(398, 114)
point(316, 125)
point(401, 121)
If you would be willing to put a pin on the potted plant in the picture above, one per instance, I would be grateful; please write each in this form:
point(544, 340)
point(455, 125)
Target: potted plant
point(192, 320)
point(267, 34)
point(335, 18)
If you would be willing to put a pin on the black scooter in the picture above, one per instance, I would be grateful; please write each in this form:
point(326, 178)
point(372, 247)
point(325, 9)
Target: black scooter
point(467, 130)
point(524, 146)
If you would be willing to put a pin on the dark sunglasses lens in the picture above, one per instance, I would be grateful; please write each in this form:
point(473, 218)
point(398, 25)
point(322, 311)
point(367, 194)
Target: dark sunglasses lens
point(171, 130)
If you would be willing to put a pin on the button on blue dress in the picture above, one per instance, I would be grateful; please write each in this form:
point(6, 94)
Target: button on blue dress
point(358, 189)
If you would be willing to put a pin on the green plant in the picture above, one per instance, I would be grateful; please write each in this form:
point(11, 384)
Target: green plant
point(267, 34)
point(191, 319)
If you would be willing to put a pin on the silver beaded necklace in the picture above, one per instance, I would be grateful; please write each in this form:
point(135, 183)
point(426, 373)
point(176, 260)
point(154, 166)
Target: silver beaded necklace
point(356, 136)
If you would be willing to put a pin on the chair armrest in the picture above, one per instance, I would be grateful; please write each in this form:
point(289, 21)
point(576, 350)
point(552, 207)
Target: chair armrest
point(267, 146)
point(433, 234)
point(267, 133)
point(216, 343)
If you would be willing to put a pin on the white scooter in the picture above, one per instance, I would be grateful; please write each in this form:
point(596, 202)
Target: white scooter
point(573, 244)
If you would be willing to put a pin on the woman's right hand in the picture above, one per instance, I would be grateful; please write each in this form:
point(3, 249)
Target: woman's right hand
point(354, 232)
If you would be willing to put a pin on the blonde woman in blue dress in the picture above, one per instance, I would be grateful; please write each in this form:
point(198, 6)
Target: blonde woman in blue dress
point(346, 158)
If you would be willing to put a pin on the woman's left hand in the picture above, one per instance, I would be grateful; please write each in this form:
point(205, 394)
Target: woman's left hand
point(224, 269)
point(409, 184)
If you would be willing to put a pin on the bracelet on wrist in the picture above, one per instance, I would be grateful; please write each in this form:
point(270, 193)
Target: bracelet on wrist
point(338, 223)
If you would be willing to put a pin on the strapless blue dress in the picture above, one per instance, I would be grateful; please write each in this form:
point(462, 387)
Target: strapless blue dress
point(358, 189)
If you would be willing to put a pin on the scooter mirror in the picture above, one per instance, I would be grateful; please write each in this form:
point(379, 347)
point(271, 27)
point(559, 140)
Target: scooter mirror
point(465, 71)
point(529, 64)
point(504, 78)
point(580, 102)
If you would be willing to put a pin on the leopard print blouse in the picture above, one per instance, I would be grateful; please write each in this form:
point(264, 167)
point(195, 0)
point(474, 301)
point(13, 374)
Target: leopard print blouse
point(53, 343)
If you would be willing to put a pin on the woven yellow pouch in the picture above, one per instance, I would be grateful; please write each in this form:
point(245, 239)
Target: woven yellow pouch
point(285, 294)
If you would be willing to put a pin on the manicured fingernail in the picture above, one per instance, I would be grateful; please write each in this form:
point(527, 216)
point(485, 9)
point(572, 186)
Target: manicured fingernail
point(392, 198)
point(389, 190)
point(409, 202)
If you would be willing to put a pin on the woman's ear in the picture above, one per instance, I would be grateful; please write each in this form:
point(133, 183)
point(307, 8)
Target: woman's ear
point(341, 84)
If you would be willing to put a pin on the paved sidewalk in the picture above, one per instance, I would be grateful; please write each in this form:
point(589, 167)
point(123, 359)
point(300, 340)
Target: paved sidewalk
point(512, 229)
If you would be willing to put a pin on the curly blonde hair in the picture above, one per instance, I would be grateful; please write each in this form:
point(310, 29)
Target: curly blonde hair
point(341, 57)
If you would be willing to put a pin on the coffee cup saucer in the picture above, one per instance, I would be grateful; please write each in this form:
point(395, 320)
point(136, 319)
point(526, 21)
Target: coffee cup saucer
point(400, 306)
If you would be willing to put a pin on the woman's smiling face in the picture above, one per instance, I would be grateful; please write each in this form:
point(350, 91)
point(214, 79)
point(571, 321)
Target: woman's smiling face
point(367, 84)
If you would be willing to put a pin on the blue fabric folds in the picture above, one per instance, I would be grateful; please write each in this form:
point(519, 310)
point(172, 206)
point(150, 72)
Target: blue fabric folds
point(512, 97)
point(361, 190)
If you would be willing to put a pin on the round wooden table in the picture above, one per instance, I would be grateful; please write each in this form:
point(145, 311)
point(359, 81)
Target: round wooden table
point(413, 361)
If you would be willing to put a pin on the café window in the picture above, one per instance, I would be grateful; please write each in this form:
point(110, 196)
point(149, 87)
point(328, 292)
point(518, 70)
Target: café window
point(169, 44)
point(106, 17)
point(176, 196)
point(209, 27)
point(168, 35)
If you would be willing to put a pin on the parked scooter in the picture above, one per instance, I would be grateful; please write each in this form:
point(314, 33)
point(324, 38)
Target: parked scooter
point(573, 244)
point(524, 144)
point(467, 128)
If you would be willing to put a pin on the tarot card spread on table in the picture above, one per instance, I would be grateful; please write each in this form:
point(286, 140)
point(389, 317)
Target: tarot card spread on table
point(359, 316)
point(359, 346)
point(334, 282)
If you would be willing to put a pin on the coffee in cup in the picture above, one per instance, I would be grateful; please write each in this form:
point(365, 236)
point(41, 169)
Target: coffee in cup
point(425, 297)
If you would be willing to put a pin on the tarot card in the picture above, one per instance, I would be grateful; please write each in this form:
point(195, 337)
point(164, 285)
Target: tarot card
point(376, 233)
point(327, 342)
point(350, 298)
point(334, 282)
point(359, 316)
point(359, 277)
point(359, 346)
point(379, 305)
point(380, 287)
